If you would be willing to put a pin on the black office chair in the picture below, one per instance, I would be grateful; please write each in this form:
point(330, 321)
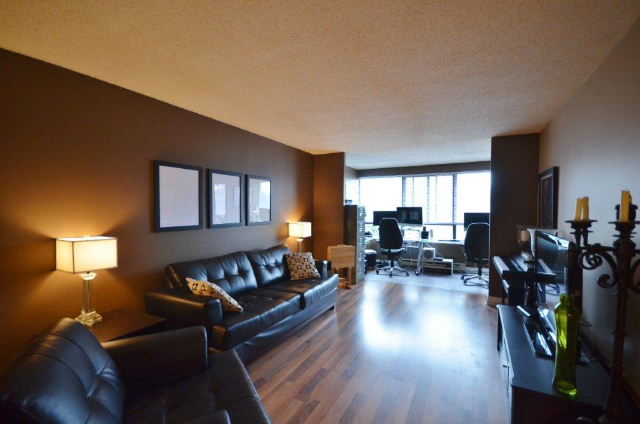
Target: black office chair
point(391, 246)
point(476, 249)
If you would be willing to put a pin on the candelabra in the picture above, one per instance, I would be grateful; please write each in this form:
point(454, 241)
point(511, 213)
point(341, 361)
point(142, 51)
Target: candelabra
point(620, 257)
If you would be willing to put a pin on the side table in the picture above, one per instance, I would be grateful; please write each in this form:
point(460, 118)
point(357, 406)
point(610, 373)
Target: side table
point(123, 323)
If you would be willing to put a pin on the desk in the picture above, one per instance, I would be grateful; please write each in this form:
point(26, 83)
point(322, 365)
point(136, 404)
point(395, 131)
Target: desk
point(423, 244)
point(436, 262)
point(446, 262)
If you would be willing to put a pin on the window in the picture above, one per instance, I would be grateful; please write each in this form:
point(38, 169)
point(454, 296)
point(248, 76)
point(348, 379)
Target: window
point(380, 194)
point(444, 198)
point(473, 195)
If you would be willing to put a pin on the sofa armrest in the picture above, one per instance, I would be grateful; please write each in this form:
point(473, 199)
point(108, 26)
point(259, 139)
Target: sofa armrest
point(324, 267)
point(183, 309)
point(220, 416)
point(160, 358)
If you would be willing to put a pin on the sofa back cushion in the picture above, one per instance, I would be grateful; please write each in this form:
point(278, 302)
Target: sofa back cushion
point(232, 272)
point(270, 264)
point(63, 376)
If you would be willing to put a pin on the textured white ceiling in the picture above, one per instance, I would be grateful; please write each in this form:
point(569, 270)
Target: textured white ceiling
point(391, 83)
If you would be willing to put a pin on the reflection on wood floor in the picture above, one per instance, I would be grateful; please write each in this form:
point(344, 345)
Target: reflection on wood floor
point(390, 353)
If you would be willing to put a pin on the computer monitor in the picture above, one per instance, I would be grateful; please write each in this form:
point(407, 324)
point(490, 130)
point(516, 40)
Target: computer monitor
point(410, 215)
point(473, 217)
point(378, 215)
point(554, 252)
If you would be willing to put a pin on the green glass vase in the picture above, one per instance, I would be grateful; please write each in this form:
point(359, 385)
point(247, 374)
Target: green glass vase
point(567, 316)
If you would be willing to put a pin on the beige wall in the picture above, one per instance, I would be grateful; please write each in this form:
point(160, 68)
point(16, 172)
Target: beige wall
point(595, 140)
point(76, 158)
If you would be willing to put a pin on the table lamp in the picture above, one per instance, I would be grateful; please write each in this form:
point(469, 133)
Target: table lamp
point(84, 255)
point(299, 230)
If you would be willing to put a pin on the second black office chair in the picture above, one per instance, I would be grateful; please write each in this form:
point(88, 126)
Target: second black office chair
point(476, 249)
point(391, 246)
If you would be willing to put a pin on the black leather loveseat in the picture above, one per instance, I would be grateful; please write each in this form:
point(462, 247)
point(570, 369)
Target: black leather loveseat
point(273, 304)
point(66, 377)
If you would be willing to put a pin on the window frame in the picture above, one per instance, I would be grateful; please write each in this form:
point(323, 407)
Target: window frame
point(454, 206)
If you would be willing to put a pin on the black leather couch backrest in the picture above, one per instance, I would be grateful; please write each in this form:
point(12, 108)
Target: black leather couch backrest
point(64, 376)
point(232, 272)
point(270, 264)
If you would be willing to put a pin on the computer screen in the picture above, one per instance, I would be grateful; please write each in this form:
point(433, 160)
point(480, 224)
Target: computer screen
point(553, 251)
point(473, 217)
point(410, 215)
point(378, 215)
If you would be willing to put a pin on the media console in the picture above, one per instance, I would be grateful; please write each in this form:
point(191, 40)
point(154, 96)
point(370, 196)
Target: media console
point(530, 393)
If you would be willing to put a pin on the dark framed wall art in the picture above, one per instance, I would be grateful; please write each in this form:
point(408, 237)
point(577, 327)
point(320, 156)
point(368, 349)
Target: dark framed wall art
point(258, 205)
point(225, 199)
point(548, 198)
point(178, 196)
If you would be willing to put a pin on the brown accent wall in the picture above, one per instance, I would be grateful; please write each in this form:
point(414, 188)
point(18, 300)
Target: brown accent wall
point(425, 169)
point(351, 185)
point(514, 194)
point(328, 202)
point(76, 158)
point(595, 141)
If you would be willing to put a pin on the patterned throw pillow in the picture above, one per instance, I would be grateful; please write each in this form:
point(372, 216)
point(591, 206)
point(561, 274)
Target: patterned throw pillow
point(301, 266)
point(205, 288)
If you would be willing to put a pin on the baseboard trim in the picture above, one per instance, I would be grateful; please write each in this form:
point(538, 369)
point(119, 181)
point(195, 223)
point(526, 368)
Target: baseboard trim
point(494, 300)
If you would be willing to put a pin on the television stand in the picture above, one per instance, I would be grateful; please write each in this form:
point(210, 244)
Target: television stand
point(529, 378)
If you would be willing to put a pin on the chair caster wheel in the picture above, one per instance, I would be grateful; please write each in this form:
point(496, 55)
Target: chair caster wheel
point(377, 272)
point(407, 274)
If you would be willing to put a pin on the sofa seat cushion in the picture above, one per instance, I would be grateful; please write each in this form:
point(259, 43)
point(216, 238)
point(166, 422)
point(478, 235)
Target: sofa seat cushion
point(262, 307)
point(224, 393)
point(311, 290)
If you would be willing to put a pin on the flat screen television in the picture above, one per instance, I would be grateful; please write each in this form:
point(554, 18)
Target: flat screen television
point(554, 252)
point(473, 217)
point(410, 215)
point(378, 215)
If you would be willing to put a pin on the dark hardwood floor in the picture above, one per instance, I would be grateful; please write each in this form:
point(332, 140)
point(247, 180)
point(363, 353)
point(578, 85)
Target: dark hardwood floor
point(390, 353)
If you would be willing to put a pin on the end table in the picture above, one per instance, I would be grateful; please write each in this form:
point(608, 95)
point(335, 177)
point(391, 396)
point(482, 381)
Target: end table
point(123, 323)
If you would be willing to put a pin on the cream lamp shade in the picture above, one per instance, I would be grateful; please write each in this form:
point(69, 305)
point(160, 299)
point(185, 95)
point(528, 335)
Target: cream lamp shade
point(86, 254)
point(300, 229)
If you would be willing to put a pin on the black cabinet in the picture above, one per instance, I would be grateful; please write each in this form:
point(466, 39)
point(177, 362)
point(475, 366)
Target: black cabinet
point(530, 393)
point(354, 236)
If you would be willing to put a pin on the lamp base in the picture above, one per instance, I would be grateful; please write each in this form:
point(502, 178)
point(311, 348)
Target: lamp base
point(89, 318)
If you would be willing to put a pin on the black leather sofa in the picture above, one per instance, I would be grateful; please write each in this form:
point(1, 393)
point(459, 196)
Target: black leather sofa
point(66, 377)
point(273, 304)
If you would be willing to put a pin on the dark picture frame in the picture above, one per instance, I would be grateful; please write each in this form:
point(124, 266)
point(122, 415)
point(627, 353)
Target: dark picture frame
point(548, 198)
point(230, 200)
point(178, 196)
point(256, 210)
